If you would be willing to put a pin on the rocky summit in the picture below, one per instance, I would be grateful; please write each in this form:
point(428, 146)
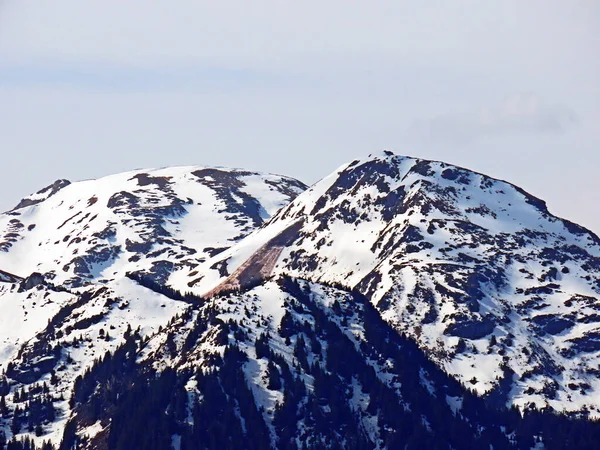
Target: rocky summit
point(396, 303)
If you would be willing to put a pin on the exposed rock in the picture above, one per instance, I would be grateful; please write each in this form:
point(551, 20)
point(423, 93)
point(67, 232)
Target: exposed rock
point(42, 194)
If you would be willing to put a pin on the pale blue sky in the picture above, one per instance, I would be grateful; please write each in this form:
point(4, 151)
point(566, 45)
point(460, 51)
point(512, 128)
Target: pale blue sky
point(505, 87)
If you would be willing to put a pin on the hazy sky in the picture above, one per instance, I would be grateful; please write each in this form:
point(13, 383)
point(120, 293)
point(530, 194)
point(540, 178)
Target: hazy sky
point(505, 87)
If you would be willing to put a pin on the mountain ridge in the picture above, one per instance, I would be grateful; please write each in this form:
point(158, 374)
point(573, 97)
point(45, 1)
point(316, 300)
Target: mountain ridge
point(240, 294)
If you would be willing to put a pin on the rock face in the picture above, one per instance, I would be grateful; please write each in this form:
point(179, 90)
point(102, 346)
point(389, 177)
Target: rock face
point(42, 194)
point(6, 277)
point(397, 303)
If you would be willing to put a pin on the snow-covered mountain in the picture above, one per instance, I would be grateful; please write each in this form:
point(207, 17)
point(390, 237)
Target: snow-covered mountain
point(397, 302)
point(475, 270)
point(75, 243)
point(156, 222)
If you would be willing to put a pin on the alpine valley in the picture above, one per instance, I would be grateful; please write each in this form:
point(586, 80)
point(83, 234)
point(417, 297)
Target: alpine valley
point(397, 303)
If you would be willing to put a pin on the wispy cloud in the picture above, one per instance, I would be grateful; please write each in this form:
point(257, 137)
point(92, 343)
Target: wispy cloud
point(517, 114)
point(132, 78)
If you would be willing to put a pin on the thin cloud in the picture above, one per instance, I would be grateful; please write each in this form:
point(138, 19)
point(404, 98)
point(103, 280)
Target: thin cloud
point(517, 114)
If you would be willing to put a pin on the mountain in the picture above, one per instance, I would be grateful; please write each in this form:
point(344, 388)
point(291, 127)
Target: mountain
point(79, 244)
point(396, 303)
point(154, 222)
point(474, 269)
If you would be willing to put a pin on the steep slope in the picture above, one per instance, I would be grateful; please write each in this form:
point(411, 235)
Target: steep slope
point(478, 272)
point(156, 222)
